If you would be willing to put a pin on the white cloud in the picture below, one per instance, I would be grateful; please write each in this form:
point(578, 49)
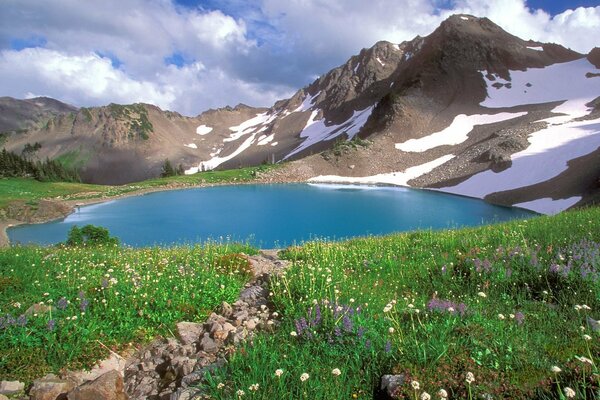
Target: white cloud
point(255, 58)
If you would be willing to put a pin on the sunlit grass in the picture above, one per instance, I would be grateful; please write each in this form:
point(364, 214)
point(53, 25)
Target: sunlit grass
point(504, 302)
point(85, 300)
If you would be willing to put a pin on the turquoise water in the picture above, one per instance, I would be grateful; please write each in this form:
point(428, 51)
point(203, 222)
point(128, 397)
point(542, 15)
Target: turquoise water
point(270, 215)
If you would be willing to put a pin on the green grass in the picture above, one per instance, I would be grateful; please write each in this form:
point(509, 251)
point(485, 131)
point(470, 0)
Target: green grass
point(73, 159)
point(103, 297)
point(505, 302)
point(12, 189)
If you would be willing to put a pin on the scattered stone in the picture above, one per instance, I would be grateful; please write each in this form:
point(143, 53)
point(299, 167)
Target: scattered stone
point(189, 332)
point(390, 384)
point(50, 387)
point(226, 310)
point(3, 397)
point(11, 387)
point(108, 387)
point(208, 344)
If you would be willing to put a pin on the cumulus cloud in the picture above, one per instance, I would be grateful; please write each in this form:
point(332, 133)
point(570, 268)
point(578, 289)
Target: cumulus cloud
point(256, 52)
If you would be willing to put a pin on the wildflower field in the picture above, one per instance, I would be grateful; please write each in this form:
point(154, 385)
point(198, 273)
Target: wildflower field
point(65, 307)
point(502, 311)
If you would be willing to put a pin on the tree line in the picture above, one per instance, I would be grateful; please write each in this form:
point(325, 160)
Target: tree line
point(13, 165)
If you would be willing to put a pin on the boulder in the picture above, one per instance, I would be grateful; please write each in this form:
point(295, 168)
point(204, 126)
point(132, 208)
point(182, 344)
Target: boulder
point(189, 332)
point(49, 387)
point(11, 387)
point(107, 387)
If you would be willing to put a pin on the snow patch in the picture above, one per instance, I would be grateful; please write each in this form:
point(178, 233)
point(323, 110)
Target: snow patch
point(544, 85)
point(537, 48)
point(547, 157)
point(549, 206)
point(265, 139)
point(307, 103)
point(392, 178)
point(191, 145)
point(464, 18)
point(396, 47)
point(380, 62)
point(356, 68)
point(456, 133)
point(274, 143)
point(317, 131)
point(203, 130)
point(249, 126)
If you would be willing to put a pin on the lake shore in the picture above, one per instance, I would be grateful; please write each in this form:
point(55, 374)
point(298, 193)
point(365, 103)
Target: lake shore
point(267, 178)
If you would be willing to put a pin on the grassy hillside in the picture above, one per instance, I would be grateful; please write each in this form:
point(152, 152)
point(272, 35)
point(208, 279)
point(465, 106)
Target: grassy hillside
point(504, 302)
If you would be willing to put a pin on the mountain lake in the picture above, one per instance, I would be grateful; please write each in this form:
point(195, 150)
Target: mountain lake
point(270, 216)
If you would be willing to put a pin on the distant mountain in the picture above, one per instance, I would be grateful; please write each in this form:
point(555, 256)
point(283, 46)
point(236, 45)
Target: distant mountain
point(469, 109)
point(19, 115)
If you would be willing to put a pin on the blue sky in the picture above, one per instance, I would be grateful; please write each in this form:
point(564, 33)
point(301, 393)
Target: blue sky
point(191, 55)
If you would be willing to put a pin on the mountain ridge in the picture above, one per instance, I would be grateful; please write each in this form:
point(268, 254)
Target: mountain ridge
point(410, 100)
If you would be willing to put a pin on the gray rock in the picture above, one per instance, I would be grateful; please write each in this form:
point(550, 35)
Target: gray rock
point(107, 387)
point(391, 383)
point(226, 309)
point(208, 345)
point(11, 387)
point(49, 388)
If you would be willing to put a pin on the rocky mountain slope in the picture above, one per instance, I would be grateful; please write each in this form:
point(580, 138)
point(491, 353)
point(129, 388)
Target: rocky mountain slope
point(20, 115)
point(469, 109)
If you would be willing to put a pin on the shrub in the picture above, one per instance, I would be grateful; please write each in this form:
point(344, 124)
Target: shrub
point(90, 235)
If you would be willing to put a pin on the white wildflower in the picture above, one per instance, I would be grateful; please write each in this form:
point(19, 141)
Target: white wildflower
point(336, 372)
point(569, 393)
point(304, 377)
point(470, 378)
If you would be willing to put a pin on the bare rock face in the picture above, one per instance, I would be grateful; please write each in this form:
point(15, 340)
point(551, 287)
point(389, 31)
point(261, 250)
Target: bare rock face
point(108, 387)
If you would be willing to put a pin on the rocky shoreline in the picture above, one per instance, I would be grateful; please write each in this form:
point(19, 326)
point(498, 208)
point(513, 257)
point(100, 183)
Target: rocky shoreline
point(171, 368)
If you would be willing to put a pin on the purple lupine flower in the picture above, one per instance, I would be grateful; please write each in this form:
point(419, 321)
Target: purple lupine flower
point(519, 317)
point(477, 264)
point(347, 323)
point(368, 344)
point(22, 320)
point(554, 268)
point(487, 266)
point(104, 283)
point(317, 320)
point(388, 346)
point(337, 331)
point(508, 272)
point(360, 332)
point(81, 295)
point(62, 304)
point(51, 325)
point(84, 304)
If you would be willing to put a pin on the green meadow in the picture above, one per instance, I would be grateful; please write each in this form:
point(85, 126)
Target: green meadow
point(500, 311)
